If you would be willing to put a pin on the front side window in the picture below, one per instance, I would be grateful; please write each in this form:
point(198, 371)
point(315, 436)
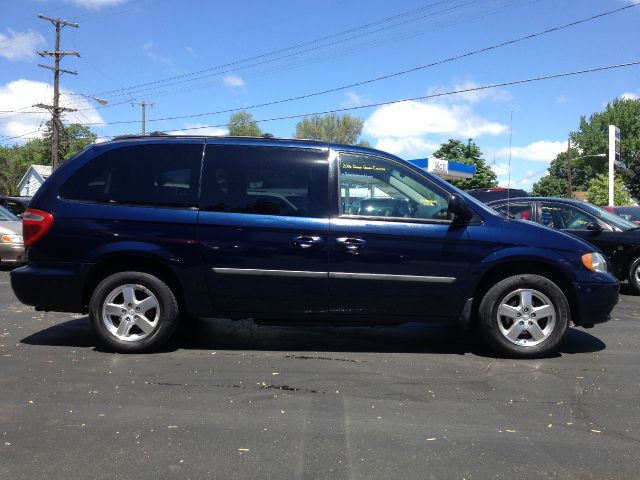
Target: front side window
point(565, 217)
point(265, 181)
point(374, 187)
point(159, 175)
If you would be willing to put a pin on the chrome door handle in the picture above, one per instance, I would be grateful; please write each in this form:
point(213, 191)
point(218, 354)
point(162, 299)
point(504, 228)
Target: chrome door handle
point(351, 245)
point(305, 242)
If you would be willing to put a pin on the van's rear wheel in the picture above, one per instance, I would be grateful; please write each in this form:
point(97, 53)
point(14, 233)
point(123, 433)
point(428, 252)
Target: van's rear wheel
point(524, 316)
point(133, 312)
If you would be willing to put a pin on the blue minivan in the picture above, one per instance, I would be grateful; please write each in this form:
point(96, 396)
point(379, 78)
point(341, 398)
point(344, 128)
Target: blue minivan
point(142, 232)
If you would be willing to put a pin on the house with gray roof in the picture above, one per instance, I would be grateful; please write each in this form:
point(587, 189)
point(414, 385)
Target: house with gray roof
point(33, 179)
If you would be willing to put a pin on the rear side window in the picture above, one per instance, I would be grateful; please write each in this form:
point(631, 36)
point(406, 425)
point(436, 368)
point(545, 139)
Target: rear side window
point(265, 181)
point(521, 211)
point(159, 175)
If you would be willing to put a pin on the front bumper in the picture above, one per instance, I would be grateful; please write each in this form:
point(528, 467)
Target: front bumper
point(12, 253)
point(55, 288)
point(595, 301)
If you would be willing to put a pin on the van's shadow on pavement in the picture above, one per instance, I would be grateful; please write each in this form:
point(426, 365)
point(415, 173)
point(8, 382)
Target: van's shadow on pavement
point(246, 335)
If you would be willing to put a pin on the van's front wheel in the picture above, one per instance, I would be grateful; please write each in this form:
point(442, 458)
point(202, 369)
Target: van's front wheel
point(524, 316)
point(133, 312)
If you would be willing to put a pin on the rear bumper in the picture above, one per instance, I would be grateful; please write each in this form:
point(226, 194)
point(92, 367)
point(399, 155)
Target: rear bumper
point(595, 301)
point(54, 288)
point(12, 253)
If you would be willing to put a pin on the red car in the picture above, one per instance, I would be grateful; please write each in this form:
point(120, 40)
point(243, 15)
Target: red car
point(628, 213)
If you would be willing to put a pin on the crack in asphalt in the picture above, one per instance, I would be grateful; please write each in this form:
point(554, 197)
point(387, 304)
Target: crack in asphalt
point(259, 386)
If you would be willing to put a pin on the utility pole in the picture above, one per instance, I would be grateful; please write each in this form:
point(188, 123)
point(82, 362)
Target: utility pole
point(569, 188)
point(55, 109)
point(143, 106)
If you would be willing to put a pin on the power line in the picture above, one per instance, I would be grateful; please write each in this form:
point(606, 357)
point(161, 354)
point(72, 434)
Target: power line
point(391, 75)
point(136, 89)
point(434, 95)
point(281, 50)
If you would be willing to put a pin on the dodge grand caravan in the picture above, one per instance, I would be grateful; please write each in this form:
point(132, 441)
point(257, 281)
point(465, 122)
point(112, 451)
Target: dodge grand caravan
point(142, 232)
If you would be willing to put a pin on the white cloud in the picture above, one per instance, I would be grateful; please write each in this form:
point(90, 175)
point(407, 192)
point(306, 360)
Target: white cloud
point(20, 45)
point(151, 53)
point(97, 4)
point(500, 169)
point(407, 147)
point(630, 95)
point(416, 119)
point(22, 93)
point(191, 51)
point(200, 129)
point(473, 96)
point(233, 81)
point(540, 151)
point(354, 100)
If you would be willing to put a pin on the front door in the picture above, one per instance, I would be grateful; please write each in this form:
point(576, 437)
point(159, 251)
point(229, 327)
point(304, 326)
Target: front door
point(394, 251)
point(263, 229)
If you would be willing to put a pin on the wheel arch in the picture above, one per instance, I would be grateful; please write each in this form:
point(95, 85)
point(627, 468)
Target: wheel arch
point(519, 267)
point(127, 262)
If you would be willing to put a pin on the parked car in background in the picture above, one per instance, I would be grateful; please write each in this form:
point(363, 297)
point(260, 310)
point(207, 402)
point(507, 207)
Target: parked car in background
point(628, 213)
point(141, 232)
point(618, 238)
point(487, 195)
point(16, 205)
point(11, 246)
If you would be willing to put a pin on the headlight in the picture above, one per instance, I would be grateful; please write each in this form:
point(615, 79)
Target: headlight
point(11, 238)
point(595, 262)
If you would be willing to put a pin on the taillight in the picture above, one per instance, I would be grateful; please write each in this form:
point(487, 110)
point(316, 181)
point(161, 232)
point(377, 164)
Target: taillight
point(35, 223)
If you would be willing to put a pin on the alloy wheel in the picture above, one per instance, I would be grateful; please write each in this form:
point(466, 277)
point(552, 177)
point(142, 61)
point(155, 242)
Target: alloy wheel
point(130, 312)
point(526, 317)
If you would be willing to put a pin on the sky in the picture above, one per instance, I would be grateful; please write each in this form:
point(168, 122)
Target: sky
point(196, 57)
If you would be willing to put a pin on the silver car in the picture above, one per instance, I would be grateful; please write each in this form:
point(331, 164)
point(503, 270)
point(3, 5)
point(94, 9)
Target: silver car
point(11, 245)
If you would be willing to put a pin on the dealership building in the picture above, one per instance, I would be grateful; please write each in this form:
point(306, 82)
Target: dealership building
point(445, 169)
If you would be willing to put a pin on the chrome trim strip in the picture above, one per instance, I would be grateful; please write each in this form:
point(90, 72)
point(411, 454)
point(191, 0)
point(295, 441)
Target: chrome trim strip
point(398, 278)
point(337, 275)
point(274, 273)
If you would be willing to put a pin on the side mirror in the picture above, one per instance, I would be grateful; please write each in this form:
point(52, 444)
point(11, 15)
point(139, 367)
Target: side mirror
point(458, 209)
point(594, 227)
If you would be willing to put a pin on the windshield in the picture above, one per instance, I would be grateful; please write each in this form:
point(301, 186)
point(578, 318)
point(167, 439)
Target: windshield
point(7, 215)
point(613, 219)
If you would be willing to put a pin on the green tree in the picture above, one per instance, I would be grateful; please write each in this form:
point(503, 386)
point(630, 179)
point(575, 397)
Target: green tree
point(333, 128)
point(551, 186)
point(598, 191)
point(469, 154)
point(15, 160)
point(583, 168)
point(592, 138)
point(242, 124)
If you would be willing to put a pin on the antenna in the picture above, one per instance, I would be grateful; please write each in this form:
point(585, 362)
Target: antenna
point(509, 181)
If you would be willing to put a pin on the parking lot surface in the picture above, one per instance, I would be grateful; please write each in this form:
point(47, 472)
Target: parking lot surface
point(237, 400)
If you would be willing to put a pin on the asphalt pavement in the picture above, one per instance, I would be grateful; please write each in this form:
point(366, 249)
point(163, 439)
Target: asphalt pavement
point(234, 400)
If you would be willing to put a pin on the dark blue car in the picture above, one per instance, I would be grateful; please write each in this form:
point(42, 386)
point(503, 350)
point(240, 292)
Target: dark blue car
point(142, 232)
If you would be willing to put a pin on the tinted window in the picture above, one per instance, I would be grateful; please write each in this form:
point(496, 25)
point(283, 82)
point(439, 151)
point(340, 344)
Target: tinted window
point(139, 175)
point(565, 217)
point(265, 181)
point(375, 187)
point(520, 211)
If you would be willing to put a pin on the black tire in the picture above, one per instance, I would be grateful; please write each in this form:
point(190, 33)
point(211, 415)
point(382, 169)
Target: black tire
point(634, 276)
point(489, 322)
point(160, 330)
